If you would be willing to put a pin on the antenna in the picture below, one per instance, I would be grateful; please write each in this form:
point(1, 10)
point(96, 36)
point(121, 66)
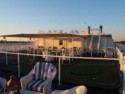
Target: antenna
point(55, 31)
point(76, 31)
point(49, 32)
point(72, 32)
point(61, 31)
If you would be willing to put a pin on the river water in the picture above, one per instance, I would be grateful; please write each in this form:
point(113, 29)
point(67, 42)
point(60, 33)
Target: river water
point(14, 46)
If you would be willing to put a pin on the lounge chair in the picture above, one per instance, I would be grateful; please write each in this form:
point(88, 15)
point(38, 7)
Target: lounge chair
point(40, 78)
point(75, 90)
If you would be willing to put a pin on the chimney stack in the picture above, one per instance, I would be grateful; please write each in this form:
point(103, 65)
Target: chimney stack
point(89, 29)
point(101, 29)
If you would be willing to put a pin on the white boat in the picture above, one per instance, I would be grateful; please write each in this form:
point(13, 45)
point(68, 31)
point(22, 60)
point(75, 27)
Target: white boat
point(94, 45)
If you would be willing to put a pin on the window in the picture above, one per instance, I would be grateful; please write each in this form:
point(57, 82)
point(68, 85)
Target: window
point(60, 42)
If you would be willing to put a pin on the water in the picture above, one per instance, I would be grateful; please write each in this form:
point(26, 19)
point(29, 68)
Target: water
point(122, 48)
point(14, 46)
point(11, 44)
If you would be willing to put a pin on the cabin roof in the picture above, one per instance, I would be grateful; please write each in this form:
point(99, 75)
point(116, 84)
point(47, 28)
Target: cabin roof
point(40, 35)
point(63, 35)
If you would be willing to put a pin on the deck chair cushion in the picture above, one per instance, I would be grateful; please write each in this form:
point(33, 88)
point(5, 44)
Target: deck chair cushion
point(36, 85)
point(42, 71)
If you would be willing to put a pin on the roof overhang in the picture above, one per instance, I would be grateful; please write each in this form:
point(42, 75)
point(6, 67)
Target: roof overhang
point(40, 35)
point(51, 35)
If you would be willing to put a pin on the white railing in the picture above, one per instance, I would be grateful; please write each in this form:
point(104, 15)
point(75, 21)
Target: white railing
point(122, 65)
point(59, 60)
point(98, 46)
point(120, 58)
point(90, 45)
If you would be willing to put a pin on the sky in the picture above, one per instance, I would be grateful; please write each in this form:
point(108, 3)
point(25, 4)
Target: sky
point(34, 16)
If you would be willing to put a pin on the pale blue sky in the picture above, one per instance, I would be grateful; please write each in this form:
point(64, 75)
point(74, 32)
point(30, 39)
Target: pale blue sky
point(30, 16)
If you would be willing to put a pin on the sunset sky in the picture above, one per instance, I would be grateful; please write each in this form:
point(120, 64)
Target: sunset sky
point(32, 16)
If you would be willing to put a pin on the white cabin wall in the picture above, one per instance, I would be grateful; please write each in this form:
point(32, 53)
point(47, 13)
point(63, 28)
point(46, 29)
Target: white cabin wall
point(85, 42)
point(39, 42)
point(110, 42)
point(88, 40)
point(82, 44)
point(103, 43)
point(74, 44)
point(106, 41)
point(55, 43)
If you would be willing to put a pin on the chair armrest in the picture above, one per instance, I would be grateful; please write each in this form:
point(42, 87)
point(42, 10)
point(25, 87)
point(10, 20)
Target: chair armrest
point(26, 79)
point(54, 73)
point(47, 83)
point(47, 86)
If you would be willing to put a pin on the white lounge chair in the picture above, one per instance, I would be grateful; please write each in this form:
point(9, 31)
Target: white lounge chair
point(75, 90)
point(40, 78)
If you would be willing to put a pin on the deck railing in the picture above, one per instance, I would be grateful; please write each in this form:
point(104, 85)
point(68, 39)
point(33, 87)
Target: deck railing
point(122, 66)
point(120, 58)
point(54, 56)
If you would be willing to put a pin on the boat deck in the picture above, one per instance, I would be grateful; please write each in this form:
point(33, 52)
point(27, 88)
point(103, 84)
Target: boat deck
point(81, 70)
point(63, 86)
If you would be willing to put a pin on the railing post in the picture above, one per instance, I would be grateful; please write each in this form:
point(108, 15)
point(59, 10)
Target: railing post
point(33, 53)
point(18, 65)
point(59, 72)
point(6, 58)
point(69, 59)
point(6, 53)
point(123, 79)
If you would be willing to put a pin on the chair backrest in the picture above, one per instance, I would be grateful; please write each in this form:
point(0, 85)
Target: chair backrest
point(43, 70)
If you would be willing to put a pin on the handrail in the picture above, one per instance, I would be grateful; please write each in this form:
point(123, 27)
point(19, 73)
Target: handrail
point(98, 46)
point(90, 45)
point(122, 67)
point(61, 56)
point(59, 65)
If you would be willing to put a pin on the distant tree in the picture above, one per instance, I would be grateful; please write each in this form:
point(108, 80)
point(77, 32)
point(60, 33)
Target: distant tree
point(122, 42)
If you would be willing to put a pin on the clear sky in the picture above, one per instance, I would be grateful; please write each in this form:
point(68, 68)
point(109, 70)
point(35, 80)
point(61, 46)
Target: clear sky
point(31, 16)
